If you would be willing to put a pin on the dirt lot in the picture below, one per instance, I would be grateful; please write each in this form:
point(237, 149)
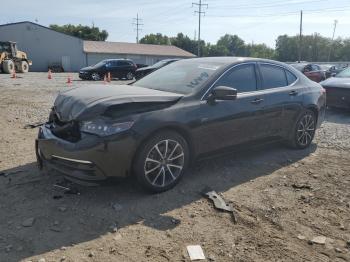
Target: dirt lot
point(283, 199)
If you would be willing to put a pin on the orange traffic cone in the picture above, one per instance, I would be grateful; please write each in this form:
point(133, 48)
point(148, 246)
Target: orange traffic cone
point(109, 77)
point(14, 76)
point(69, 80)
point(49, 74)
point(105, 79)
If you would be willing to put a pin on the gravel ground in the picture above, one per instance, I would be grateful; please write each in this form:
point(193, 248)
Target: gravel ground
point(285, 200)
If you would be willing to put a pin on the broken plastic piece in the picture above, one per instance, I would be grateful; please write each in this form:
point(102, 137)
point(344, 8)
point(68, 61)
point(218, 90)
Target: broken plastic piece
point(195, 252)
point(220, 204)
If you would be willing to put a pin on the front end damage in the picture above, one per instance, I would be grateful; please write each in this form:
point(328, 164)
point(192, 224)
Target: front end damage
point(89, 137)
point(83, 158)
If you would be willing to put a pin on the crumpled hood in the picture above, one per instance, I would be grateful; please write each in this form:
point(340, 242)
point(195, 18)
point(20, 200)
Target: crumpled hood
point(83, 103)
point(341, 82)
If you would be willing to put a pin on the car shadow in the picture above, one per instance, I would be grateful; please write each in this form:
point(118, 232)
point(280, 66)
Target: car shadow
point(338, 115)
point(65, 219)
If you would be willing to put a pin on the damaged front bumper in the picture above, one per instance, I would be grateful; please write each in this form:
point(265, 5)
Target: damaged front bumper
point(91, 159)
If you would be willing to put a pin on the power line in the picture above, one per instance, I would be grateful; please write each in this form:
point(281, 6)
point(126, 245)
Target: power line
point(269, 5)
point(199, 12)
point(138, 29)
point(309, 11)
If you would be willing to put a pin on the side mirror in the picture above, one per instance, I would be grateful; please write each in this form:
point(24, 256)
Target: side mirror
point(224, 93)
point(333, 74)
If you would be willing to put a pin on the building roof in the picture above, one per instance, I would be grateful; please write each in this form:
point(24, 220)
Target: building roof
point(132, 48)
point(45, 27)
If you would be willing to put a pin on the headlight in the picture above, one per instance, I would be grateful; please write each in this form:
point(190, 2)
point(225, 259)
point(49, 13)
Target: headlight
point(102, 128)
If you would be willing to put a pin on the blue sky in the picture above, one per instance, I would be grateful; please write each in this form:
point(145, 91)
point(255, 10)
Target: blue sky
point(258, 21)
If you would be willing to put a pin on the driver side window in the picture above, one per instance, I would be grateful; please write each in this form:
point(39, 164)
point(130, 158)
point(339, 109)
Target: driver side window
point(242, 77)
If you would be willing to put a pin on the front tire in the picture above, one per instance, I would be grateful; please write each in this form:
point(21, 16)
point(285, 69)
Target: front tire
point(304, 130)
point(161, 161)
point(8, 66)
point(95, 76)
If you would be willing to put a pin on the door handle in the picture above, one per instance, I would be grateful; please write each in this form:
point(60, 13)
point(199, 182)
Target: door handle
point(257, 101)
point(293, 93)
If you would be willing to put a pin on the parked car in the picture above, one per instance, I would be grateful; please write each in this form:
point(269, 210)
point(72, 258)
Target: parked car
point(334, 70)
point(188, 109)
point(338, 89)
point(312, 71)
point(141, 72)
point(119, 68)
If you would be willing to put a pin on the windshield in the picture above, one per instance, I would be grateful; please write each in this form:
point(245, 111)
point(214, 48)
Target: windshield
point(159, 64)
point(345, 73)
point(5, 47)
point(103, 62)
point(184, 77)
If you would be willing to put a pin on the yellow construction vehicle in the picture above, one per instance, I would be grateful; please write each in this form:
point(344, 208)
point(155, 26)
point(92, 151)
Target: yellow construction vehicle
point(12, 60)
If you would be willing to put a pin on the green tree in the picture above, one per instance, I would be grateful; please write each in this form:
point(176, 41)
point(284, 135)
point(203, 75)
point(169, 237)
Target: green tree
point(233, 43)
point(184, 42)
point(83, 32)
point(155, 39)
point(260, 51)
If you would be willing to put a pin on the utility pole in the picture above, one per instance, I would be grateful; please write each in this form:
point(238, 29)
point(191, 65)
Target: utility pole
point(137, 23)
point(330, 48)
point(300, 35)
point(199, 12)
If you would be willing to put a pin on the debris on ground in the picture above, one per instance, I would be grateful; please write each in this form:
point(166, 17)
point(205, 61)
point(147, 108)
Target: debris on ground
point(33, 125)
point(220, 204)
point(29, 222)
point(320, 240)
point(301, 186)
point(195, 252)
point(67, 188)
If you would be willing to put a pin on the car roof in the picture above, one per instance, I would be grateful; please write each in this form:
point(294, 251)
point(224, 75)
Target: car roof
point(231, 60)
point(118, 59)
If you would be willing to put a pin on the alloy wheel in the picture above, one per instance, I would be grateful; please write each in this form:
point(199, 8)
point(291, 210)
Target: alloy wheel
point(129, 76)
point(95, 76)
point(306, 130)
point(164, 163)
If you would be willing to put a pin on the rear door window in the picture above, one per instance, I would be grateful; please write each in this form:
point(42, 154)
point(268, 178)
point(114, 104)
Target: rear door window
point(124, 63)
point(291, 78)
point(273, 76)
point(242, 77)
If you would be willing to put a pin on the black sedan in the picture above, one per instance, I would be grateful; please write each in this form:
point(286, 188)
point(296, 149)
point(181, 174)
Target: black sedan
point(338, 90)
point(118, 68)
point(141, 72)
point(155, 127)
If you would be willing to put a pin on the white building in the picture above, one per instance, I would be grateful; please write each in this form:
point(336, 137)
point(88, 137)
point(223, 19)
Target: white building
point(46, 47)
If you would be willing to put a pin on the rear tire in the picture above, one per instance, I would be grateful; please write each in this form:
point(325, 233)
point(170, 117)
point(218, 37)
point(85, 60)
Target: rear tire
point(23, 67)
point(303, 131)
point(130, 76)
point(161, 161)
point(8, 66)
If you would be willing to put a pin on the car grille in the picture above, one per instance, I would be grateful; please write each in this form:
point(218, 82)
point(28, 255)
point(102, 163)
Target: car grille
point(69, 131)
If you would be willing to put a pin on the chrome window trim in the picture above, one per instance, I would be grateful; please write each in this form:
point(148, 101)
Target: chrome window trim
point(217, 80)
